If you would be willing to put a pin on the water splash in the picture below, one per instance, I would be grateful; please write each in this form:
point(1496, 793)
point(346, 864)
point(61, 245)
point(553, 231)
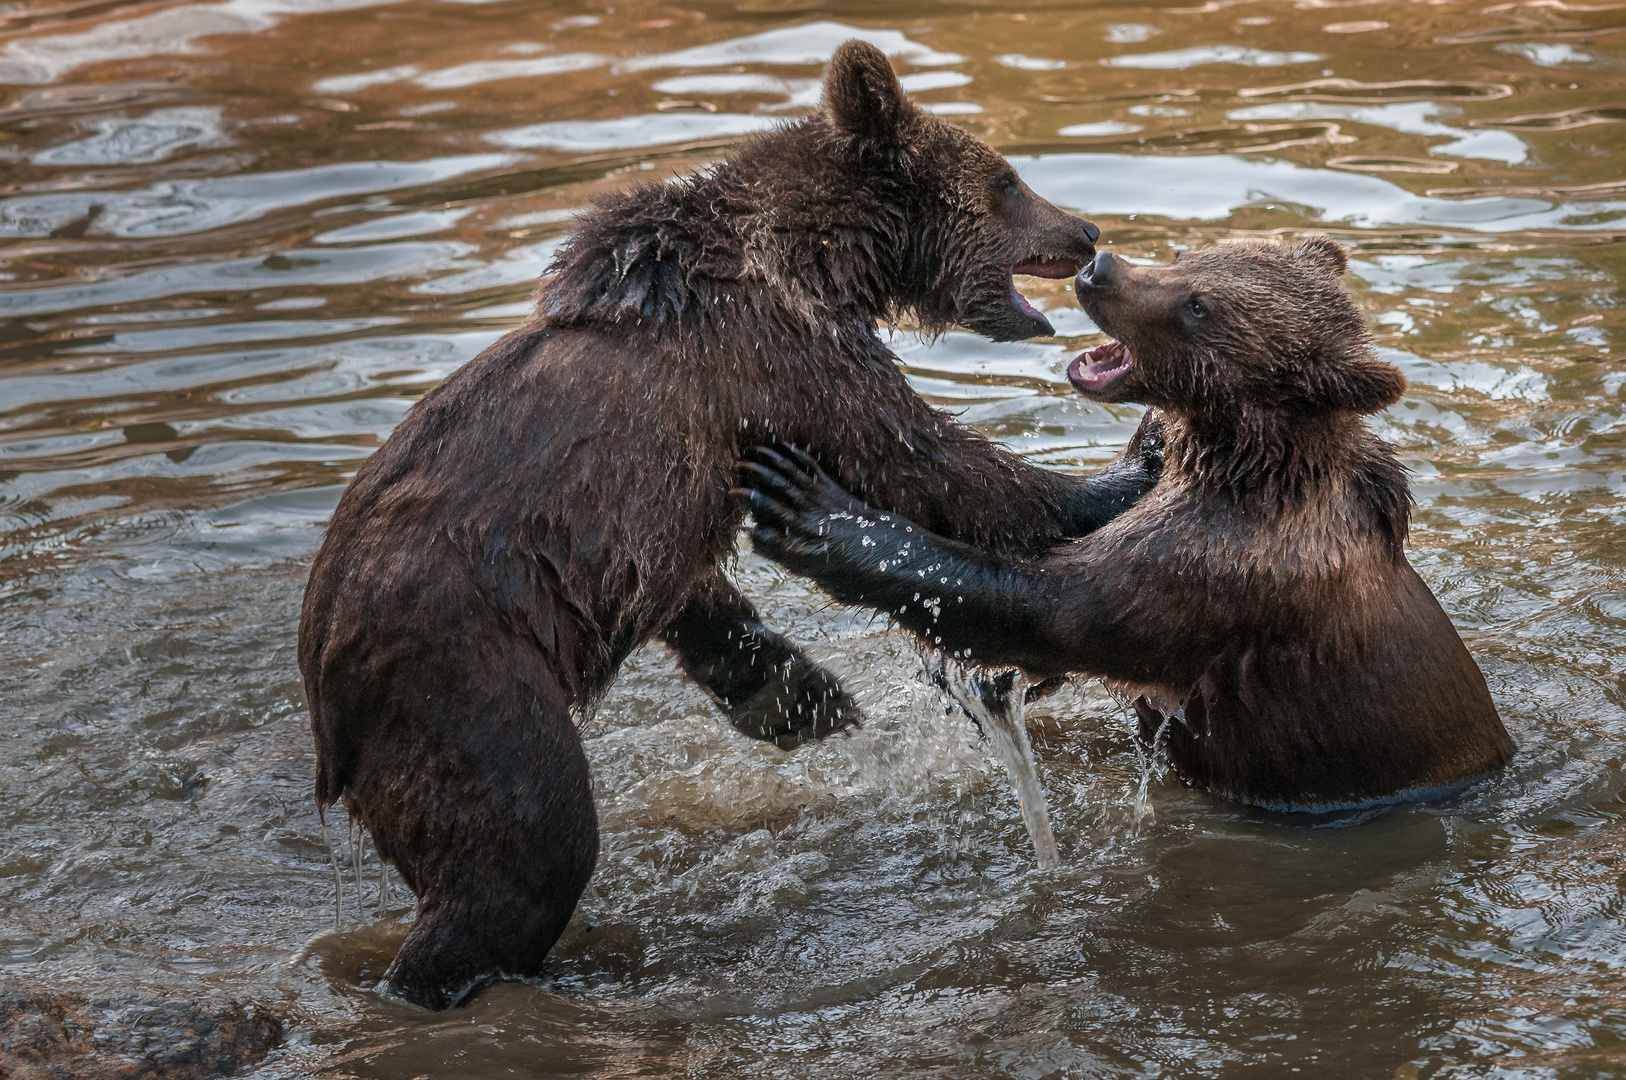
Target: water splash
point(996, 702)
point(356, 856)
point(1151, 757)
point(1151, 762)
point(338, 882)
point(383, 889)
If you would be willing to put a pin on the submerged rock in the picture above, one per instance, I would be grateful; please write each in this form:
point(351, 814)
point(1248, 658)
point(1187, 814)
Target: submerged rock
point(56, 1036)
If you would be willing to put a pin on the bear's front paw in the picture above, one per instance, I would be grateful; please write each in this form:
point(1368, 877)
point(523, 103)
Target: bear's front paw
point(795, 506)
point(1146, 445)
point(809, 524)
point(795, 480)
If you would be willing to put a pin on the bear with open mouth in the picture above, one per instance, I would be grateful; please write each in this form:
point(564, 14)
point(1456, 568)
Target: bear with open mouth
point(564, 497)
point(1257, 607)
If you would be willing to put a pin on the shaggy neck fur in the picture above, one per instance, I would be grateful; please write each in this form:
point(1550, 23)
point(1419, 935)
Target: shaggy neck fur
point(820, 247)
point(1282, 463)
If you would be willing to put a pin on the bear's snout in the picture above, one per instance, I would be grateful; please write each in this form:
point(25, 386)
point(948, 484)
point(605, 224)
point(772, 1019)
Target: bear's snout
point(1098, 274)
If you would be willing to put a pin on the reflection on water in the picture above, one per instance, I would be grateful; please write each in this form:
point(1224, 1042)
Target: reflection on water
point(240, 238)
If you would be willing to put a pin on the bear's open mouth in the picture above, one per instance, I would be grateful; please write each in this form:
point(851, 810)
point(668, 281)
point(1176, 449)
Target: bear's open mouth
point(1045, 266)
point(1050, 266)
point(1093, 370)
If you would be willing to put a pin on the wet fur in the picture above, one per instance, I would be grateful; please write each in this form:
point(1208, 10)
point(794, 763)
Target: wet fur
point(564, 497)
point(1260, 594)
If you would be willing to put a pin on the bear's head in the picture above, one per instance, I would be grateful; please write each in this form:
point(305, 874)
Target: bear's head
point(1240, 329)
point(960, 221)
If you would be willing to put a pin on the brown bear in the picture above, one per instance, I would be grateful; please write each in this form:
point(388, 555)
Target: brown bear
point(1257, 606)
point(564, 497)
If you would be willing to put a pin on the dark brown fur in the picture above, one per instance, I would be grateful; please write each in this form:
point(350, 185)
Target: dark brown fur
point(1260, 596)
point(564, 497)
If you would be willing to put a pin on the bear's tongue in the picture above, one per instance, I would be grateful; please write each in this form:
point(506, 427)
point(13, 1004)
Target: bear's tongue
point(1096, 369)
point(1020, 303)
point(1039, 267)
point(1023, 305)
point(1045, 266)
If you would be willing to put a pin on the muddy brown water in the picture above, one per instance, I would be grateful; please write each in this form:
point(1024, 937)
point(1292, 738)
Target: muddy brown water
point(239, 239)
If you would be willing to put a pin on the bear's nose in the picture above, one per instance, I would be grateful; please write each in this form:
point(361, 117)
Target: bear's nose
point(1091, 232)
point(1098, 275)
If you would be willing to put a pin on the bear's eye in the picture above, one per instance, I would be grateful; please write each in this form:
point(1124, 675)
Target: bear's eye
point(1196, 308)
point(1007, 184)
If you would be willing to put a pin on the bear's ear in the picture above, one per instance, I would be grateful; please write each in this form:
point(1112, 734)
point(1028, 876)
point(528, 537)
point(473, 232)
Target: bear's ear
point(862, 94)
point(1368, 385)
point(1324, 252)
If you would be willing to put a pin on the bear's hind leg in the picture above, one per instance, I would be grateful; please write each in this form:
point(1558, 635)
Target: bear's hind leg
point(767, 687)
point(483, 802)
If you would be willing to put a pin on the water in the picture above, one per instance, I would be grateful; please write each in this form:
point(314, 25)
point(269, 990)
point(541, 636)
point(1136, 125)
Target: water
point(241, 237)
point(997, 703)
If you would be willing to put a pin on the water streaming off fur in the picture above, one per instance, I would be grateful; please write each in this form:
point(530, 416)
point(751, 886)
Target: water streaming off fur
point(996, 703)
point(239, 239)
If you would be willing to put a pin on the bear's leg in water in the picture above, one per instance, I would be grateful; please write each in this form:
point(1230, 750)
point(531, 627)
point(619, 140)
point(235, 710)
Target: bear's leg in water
point(491, 823)
point(768, 687)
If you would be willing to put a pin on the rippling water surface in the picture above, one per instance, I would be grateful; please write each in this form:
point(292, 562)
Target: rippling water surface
point(239, 239)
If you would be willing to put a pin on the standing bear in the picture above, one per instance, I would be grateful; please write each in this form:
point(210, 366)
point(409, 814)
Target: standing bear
point(564, 497)
point(1257, 606)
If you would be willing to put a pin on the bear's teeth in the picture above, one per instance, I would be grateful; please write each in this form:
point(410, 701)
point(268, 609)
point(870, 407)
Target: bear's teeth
point(1048, 266)
point(1095, 369)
